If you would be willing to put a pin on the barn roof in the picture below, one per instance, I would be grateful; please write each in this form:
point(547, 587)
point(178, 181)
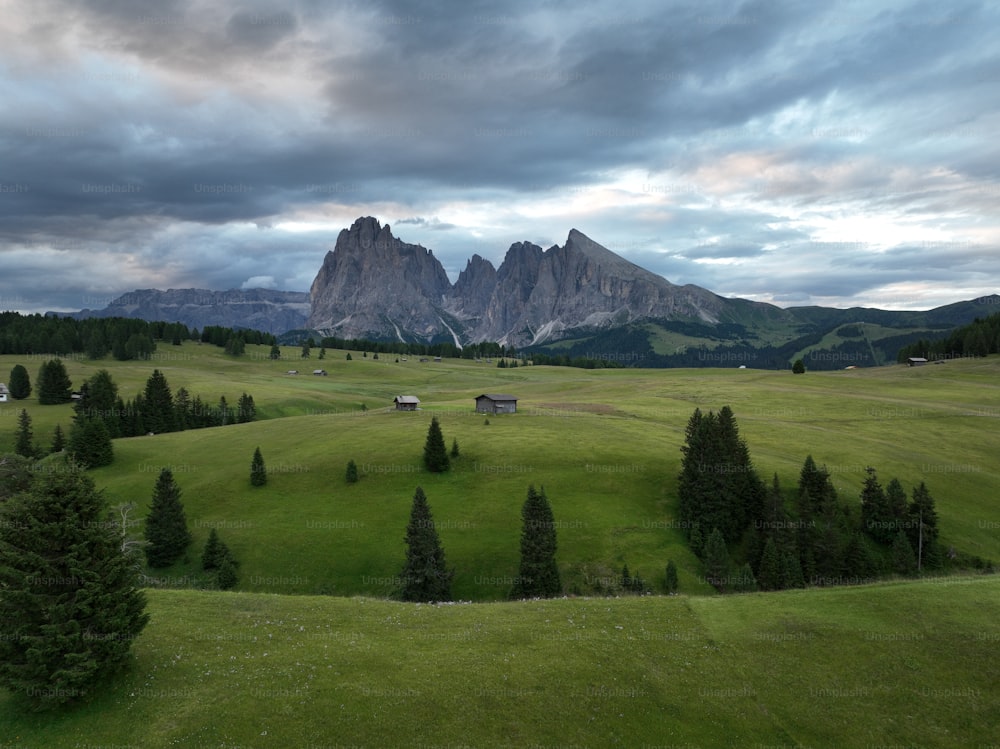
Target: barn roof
point(406, 399)
point(497, 397)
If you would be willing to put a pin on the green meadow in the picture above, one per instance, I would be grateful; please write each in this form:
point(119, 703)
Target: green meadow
point(895, 664)
point(308, 652)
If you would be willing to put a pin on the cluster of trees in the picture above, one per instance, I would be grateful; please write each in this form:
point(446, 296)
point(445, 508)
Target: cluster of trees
point(426, 577)
point(981, 337)
point(167, 536)
point(482, 350)
point(749, 537)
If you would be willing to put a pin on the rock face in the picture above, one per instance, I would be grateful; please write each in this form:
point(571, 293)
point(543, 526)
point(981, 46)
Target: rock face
point(374, 285)
point(258, 309)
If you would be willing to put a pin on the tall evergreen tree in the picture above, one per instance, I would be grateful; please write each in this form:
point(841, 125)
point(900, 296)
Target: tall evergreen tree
point(922, 528)
point(246, 411)
point(23, 444)
point(538, 573)
point(183, 415)
point(166, 525)
point(99, 399)
point(425, 577)
point(89, 442)
point(435, 453)
point(258, 471)
point(70, 606)
point(671, 577)
point(58, 440)
point(875, 516)
point(226, 577)
point(717, 562)
point(769, 573)
point(158, 405)
point(54, 385)
point(904, 562)
point(351, 474)
point(214, 548)
point(19, 383)
point(275, 352)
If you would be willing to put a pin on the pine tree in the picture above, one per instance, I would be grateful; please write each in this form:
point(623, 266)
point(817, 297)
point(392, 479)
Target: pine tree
point(54, 385)
point(538, 574)
point(799, 367)
point(89, 442)
point(744, 582)
point(158, 405)
point(876, 519)
point(322, 352)
point(904, 562)
point(226, 577)
point(769, 573)
point(716, 559)
point(213, 551)
point(306, 350)
point(671, 577)
point(20, 383)
point(70, 607)
point(246, 411)
point(275, 352)
point(435, 453)
point(166, 526)
point(897, 505)
point(23, 445)
point(454, 448)
point(98, 399)
point(258, 471)
point(58, 440)
point(922, 528)
point(626, 579)
point(352, 472)
point(425, 576)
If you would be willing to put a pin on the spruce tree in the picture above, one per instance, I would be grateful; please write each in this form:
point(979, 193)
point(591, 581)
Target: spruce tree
point(799, 367)
point(744, 582)
point(89, 442)
point(897, 505)
point(258, 471)
point(352, 472)
point(454, 448)
point(58, 440)
point(876, 519)
point(425, 577)
point(904, 562)
point(54, 385)
point(626, 579)
point(23, 445)
point(158, 405)
point(538, 574)
point(166, 525)
point(275, 352)
point(769, 573)
point(70, 606)
point(671, 577)
point(99, 399)
point(226, 577)
point(435, 452)
point(213, 551)
point(20, 383)
point(922, 528)
point(246, 411)
point(716, 560)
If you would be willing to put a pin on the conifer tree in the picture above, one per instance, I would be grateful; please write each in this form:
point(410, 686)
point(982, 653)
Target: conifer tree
point(538, 574)
point(922, 528)
point(352, 472)
point(246, 411)
point(98, 399)
point(799, 367)
point(226, 577)
point(744, 581)
point(70, 606)
point(671, 577)
point(23, 444)
point(904, 562)
point(166, 525)
point(158, 405)
point(791, 570)
point(54, 385)
point(258, 471)
point(213, 551)
point(20, 383)
point(58, 440)
point(626, 579)
point(89, 442)
point(435, 452)
point(769, 573)
point(876, 518)
point(425, 577)
point(454, 448)
point(275, 352)
point(716, 559)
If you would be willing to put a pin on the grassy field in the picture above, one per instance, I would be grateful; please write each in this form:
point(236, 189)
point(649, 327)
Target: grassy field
point(897, 664)
point(605, 444)
point(894, 664)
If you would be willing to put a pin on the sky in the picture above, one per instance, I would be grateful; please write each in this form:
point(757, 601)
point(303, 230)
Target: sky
point(835, 153)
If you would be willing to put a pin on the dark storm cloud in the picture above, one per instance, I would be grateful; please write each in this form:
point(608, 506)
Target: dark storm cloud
point(164, 135)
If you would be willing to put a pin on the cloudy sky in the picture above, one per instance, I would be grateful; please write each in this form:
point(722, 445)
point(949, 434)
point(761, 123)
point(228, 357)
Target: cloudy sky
point(835, 153)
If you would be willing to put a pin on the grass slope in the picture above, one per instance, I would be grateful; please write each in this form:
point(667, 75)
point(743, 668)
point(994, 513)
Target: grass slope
point(604, 443)
point(901, 664)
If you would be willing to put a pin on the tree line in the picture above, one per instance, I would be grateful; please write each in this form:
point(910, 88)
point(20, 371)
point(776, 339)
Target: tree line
point(981, 337)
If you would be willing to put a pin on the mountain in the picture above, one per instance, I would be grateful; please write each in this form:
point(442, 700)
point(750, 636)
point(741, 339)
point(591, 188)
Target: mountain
point(258, 309)
point(373, 285)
